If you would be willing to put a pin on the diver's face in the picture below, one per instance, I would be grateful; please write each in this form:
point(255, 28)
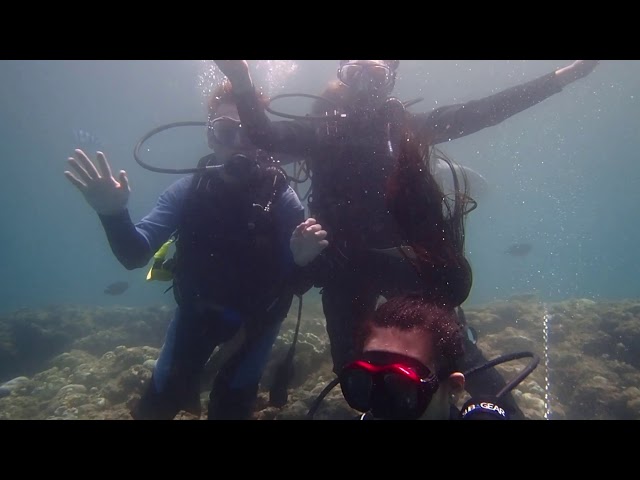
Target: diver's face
point(414, 343)
point(225, 134)
point(419, 345)
point(227, 139)
point(368, 81)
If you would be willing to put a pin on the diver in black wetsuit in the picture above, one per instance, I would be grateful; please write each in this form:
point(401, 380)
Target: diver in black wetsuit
point(351, 154)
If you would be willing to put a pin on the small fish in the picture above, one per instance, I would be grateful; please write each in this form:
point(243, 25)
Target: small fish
point(519, 249)
point(116, 288)
point(86, 140)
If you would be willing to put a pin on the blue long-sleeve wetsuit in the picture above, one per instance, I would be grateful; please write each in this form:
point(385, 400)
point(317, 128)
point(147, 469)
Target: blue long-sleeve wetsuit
point(192, 335)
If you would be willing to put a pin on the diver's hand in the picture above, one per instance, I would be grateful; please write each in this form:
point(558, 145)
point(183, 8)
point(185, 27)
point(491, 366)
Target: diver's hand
point(307, 242)
point(576, 71)
point(237, 71)
point(105, 195)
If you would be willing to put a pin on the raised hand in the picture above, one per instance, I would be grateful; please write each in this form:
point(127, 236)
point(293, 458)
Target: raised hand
point(576, 71)
point(237, 71)
point(307, 242)
point(101, 191)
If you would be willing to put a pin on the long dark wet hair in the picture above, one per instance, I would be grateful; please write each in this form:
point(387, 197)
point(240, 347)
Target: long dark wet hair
point(432, 224)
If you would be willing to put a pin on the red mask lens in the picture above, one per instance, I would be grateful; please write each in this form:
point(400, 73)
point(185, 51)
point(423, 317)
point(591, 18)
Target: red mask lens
point(391, 388)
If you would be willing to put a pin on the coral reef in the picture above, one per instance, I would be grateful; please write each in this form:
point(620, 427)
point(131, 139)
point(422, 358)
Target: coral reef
point(92, 363)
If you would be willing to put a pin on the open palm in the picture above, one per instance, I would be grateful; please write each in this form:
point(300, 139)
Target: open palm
point(102, 191)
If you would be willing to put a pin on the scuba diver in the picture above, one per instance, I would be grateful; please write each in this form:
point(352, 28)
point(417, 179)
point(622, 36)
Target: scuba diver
point(233, 276)
point(408, 367)
point(350, 141)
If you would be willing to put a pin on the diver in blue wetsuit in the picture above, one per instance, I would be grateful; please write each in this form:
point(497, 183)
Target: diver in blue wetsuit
point(233, 271)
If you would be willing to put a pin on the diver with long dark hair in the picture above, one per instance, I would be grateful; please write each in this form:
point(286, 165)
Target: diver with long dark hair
point(351, 141)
